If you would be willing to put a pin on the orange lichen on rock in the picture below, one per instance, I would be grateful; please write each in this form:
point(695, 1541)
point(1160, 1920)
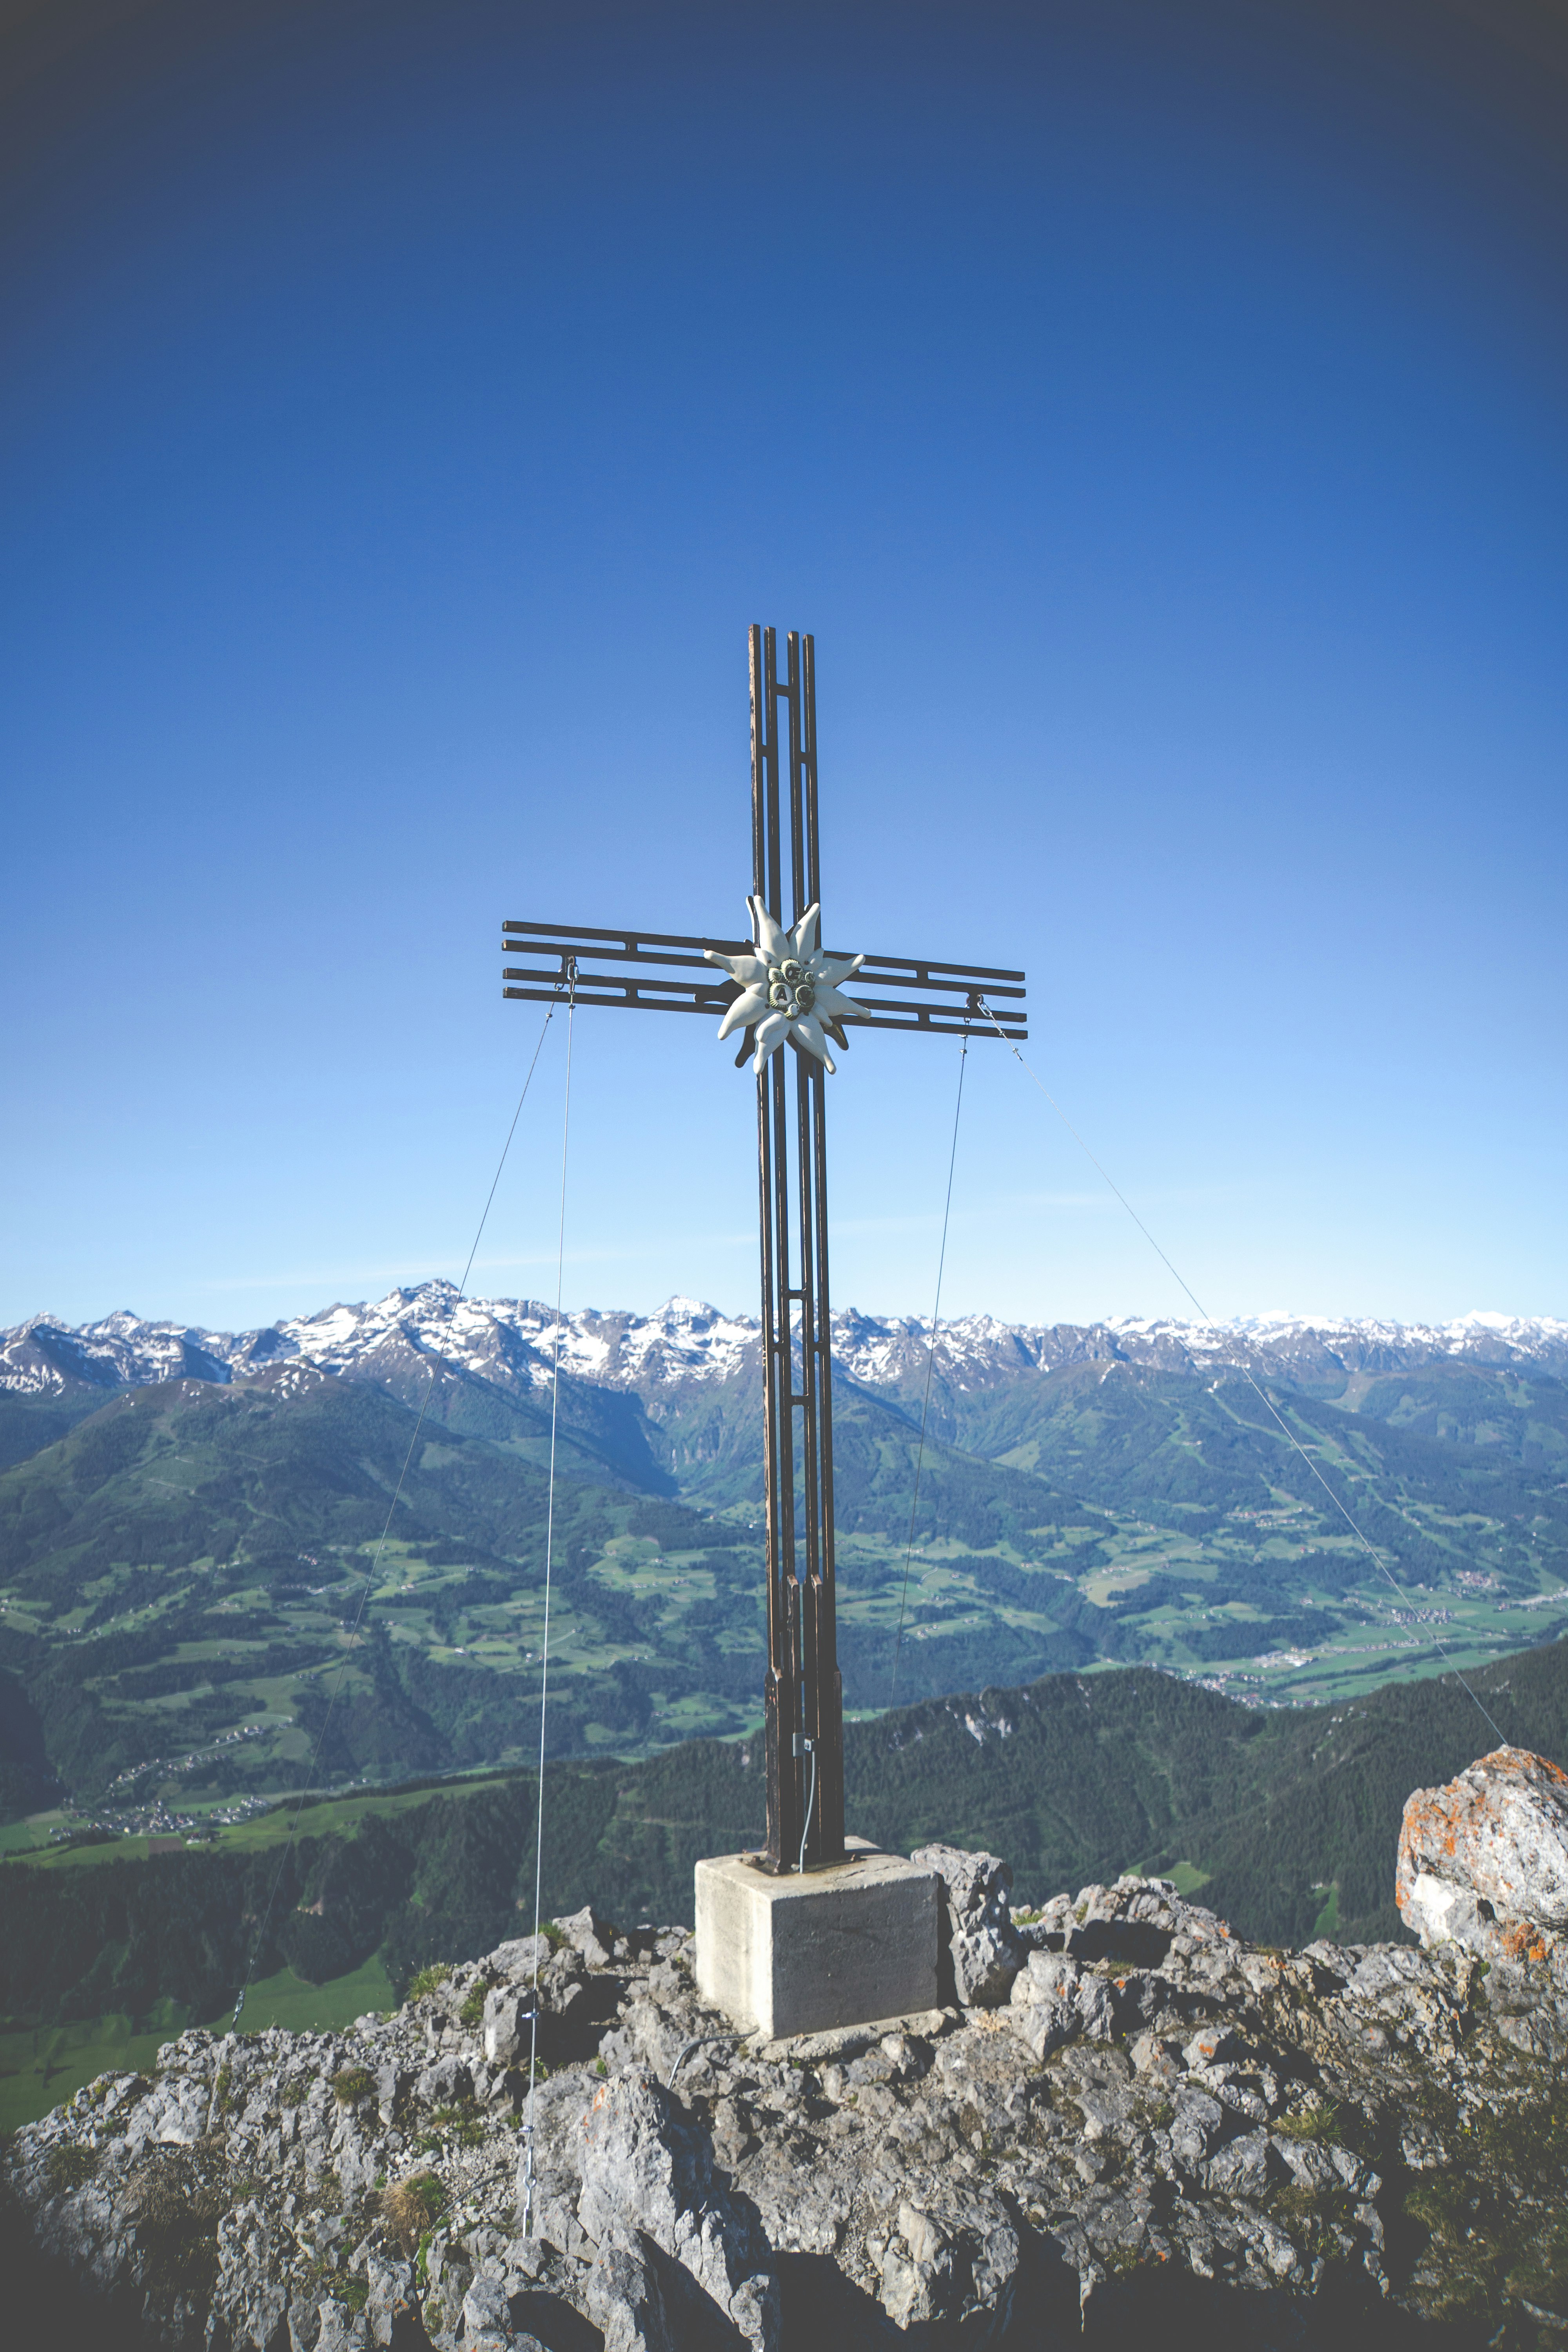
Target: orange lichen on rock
point(1484, 1860)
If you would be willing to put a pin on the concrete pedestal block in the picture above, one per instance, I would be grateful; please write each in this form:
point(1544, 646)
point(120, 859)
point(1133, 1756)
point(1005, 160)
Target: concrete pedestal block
point(806, 1952)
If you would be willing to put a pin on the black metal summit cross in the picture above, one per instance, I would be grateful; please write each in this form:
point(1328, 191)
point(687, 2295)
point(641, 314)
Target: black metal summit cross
point(781, 989)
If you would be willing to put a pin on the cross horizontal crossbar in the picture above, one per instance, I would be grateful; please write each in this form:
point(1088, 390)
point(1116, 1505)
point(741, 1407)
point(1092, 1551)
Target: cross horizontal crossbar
point(631, 996)
point(571, 939)
point(954, 987)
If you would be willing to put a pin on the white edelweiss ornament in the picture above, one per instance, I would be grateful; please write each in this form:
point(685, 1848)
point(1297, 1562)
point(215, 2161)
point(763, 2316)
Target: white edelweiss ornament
point(788, 988)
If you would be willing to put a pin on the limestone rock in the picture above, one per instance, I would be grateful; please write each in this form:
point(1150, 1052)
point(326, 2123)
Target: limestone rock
point(1043, 2026)
point(487, 2321)
point(982, 1951)
point(588, 1935)
point(1054, 1983)
point(507, 2020)
point(624, 2299)
point(645, 2170)
point(517, 1961)
point(1484, 1860)
point(953, 2261)
point(391, 2291)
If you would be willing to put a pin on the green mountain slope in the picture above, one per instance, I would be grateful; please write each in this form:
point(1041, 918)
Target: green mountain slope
point(28, 1424)
point(179, 1569)
point(1449, 1445)
point(604, 1435)
point(184, 1570)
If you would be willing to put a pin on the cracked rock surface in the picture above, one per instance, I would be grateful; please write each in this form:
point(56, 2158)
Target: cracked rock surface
point(1135, 2121)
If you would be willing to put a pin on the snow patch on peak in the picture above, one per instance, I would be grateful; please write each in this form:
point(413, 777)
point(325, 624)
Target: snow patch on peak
point(515, 1343)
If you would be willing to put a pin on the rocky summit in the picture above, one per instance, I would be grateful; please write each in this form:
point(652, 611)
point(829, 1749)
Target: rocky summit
point(1124, 2120)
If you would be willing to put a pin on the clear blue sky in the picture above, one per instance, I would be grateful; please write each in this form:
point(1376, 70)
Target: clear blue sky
point(1156, 411)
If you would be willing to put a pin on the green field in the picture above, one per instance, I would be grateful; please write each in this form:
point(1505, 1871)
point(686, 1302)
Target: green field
point(41, 2068)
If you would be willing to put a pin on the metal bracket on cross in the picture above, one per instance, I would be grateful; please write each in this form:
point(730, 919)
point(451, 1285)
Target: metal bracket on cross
point(781, 988)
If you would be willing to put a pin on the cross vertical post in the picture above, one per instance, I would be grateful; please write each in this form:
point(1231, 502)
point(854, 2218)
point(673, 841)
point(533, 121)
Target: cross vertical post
point(780, 988)
point(803, 1693)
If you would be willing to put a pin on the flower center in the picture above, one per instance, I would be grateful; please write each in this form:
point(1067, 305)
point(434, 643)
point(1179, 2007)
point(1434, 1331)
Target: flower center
point(790, 988)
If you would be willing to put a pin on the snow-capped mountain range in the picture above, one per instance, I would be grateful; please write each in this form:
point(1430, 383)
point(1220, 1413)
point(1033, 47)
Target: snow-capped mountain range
point(685, 1344)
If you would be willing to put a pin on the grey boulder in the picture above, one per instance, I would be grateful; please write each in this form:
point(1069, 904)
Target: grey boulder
point(981, 1949)
point(1483, 1861)
point(647, 2171)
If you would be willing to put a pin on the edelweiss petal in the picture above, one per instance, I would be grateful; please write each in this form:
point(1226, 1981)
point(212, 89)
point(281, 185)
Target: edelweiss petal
point(835, 1007)
point(747, 969)
point(773, 943)
point(751, 1006)
point(770, 1035)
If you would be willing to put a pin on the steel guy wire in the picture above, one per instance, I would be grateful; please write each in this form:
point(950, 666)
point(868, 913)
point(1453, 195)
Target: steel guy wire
point(545, 1648)
point(375, 1563)
point(1263, 1397)
point(930, 1366)
point(810, 1802)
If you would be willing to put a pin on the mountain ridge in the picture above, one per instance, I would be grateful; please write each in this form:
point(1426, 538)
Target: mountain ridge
point(688, 1341)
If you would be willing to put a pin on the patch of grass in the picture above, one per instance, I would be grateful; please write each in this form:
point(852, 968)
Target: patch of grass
point(1122, 2260)
point(411, 2209)
point(295, 2091)
point(68, 2166)
point(1318, 2121)
point(464, 2125)
point(1327, 1922)
point(1186, 1877)
point(1313, 2217)
point(429, 1980)
point(349, 2289)
point(177, 2212)
point(472, 2013)
point(350, 2084)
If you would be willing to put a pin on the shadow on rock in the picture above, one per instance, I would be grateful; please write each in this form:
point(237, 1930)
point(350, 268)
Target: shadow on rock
point(1158, 2304)
point(553, 2321)
point(45, 2307)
